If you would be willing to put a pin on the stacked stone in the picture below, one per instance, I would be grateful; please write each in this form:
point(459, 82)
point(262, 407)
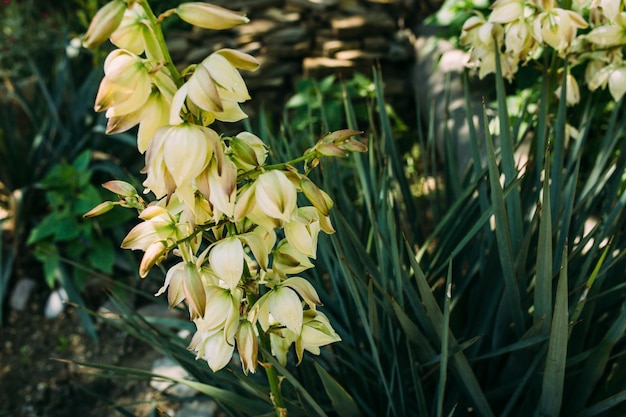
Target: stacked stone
point(311, 38)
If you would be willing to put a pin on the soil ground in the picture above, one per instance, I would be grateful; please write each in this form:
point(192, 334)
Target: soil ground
point(34, 384)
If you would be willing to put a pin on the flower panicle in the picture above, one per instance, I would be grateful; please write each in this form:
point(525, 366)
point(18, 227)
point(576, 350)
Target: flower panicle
point(233, 221)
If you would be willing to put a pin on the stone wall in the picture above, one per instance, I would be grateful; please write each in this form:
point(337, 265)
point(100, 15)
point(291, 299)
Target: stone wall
point(312, 38)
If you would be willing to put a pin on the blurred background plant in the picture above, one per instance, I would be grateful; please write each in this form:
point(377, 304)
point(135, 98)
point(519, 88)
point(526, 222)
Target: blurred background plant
point(52, 152)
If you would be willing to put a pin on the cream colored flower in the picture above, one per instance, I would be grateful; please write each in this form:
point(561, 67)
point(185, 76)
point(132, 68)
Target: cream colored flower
point(276, 195)
point(129, 34)
point(104, 23)
point(289, 260)
point(610, 8)
point(183, 282)
point(557, 27)
point(223, 188)
point(126, 85)
point(158, 225)
point(213, 347)
point(303, 229)
point(227, 260)
point(261, 242)
point(248, 151)
point(505, 11)
point(153, 115)
point(572, 92)
point(247, 346)
point(176, 155)
point(217, 87)
point(609, 35)
point(316, 332)
point(280, 306)
point(617, 83)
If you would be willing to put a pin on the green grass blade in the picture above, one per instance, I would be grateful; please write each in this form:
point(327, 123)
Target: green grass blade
point(558, 146)
point(232, 399)
point(445, 344)
point(605, 150)
point(599, 409)
point(342, 402)
point(503, 237)
point(6, 268)
point(596, 364)
point(554, 374)
point(459, 361)
point(423, 349)
point(543, 277)
point(509, 168)
point(356, 296)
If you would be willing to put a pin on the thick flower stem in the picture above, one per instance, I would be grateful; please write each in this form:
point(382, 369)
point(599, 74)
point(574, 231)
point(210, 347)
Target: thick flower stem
point(272, 378)
point(161, 40)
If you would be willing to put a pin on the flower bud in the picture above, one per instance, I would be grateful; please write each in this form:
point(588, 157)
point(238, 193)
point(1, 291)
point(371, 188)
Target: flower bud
point(209, 16)
point(247, 346)
point(320, 200)
point(339, 136)
point(194, 291)
point(329, 149)
point(104, 23)
point(120, 188)
point(248, 150)
point(100, 209)
point(154, 254)
point(353, 146)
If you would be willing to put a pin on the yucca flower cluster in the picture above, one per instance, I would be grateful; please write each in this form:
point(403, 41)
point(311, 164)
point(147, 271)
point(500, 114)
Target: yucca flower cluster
point(232, 221)
point(590, 32)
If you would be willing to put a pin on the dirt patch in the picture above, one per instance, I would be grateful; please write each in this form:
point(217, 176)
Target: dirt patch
point(32, 383)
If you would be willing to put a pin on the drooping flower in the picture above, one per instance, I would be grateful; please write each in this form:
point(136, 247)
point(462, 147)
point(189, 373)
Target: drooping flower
point(247, 346)
point(289, 260)
point(572, 93)
point(216, 86)
point(213, 347)
point(227, 260)
point(129, 34)
point(248, 151)
point(276, 195)
point(557, 27)
point(316, 332)
point(126, 85)
point(104, 23)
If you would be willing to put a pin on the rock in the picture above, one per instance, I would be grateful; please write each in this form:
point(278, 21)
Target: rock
point(55, 304)
point(168, 367)
point(314, 38)
point(21, 293)
point(197, 408)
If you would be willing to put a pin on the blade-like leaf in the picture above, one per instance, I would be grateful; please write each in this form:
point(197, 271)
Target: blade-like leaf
point(554, 374)
point(543, 277)
point(459, 361)
point(342, 402)
point(503, 236)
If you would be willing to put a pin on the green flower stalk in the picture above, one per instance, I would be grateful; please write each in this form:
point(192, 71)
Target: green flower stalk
point(218, 206)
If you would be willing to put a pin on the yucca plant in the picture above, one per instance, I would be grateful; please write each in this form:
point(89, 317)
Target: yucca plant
point(510, 304)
